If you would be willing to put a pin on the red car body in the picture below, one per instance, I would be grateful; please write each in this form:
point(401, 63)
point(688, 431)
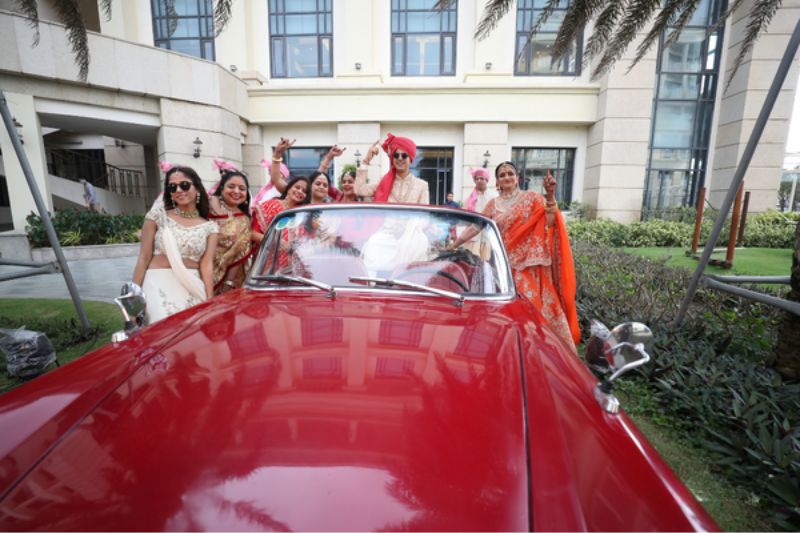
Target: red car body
point(292, 410)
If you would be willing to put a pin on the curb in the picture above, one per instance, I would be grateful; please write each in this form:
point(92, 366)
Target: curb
point(99, 251)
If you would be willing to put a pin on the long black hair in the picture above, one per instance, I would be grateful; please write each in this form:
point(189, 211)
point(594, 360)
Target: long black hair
point(244, 207)
point(291, 183)
point(202, 204)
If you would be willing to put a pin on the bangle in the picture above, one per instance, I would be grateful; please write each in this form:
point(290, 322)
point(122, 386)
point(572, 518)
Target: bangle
point(277, 159)
point(230, 284)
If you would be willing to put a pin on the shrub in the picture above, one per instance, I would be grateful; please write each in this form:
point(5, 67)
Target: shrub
point(711, 377)
point(765, 230)
point(75, 227)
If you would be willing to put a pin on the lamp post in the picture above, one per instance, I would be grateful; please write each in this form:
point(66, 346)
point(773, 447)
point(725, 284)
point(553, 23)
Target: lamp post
point(197, 144)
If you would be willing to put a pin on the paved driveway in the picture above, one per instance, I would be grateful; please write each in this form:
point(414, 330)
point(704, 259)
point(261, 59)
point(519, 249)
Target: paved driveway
point(97, 279)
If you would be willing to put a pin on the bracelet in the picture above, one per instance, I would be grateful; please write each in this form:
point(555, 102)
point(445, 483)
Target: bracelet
point(229, 283)
point(277, 159)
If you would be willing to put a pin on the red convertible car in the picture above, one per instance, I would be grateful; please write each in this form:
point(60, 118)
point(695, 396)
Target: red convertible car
point(367, 377)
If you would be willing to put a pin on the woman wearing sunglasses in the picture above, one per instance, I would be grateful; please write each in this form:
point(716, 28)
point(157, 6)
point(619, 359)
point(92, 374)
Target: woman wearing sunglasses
point(176, 256)
point(398, 185)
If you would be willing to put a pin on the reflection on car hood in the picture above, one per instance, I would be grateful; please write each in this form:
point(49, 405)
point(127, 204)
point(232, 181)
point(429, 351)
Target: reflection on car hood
point(296, 411)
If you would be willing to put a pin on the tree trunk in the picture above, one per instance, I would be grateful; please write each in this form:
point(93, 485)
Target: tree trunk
point(787, 350)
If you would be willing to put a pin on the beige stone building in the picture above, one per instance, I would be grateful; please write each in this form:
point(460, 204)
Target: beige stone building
point(347, 72)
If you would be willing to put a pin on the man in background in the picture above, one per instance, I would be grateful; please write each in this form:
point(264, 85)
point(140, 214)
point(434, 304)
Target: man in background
point(90, 195)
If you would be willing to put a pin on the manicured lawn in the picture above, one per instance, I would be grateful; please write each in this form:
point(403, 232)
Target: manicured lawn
point(752, 261)
point(58, 319)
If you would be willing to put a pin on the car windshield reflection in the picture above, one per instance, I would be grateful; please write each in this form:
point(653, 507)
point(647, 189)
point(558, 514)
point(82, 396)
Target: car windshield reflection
point(340, 246)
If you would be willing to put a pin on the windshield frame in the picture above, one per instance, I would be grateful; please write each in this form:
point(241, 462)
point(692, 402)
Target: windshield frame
point(503, 271)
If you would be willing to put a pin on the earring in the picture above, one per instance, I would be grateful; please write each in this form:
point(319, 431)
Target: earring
point(197, 198)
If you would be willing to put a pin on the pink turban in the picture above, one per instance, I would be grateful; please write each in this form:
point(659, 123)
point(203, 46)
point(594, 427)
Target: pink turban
point(473, 198)
point(221, 164)
point(390, 146)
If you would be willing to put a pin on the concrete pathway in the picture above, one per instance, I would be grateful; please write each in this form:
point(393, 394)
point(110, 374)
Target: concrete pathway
point(97, 279)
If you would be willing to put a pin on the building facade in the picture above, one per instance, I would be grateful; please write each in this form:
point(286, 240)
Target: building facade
point(162, 87)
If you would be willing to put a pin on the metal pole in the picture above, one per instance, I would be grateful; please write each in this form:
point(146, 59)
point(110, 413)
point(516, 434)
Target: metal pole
point(37, 198)
point(755, 136)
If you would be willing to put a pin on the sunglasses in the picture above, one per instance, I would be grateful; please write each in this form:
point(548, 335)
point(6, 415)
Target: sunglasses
point(184, 185)
point(400, 155)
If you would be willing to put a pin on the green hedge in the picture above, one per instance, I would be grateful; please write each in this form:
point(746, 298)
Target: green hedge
point(710, 378)
point(765, 230)
point(75, 227)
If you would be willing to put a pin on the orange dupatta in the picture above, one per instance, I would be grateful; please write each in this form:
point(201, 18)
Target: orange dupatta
point(562, 266)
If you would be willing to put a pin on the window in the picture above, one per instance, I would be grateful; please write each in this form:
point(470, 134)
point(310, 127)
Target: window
point(301, 38)
point(423, 38)
point(304, 161)
point(435, 165)
point(533, 164)
point(321, 330)
point(185, 26)
point(400, 333)
point(683, 108)
point(535, 58)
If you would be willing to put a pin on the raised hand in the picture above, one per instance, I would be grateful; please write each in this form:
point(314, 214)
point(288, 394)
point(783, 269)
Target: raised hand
point(335, 151)
point(282, 146)
point(372, 152)
point(549, 187)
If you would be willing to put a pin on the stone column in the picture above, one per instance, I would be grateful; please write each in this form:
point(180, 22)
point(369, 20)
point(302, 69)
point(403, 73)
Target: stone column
point(741, 103)
point(480, 137)
point(23, 109)
point(617, 144)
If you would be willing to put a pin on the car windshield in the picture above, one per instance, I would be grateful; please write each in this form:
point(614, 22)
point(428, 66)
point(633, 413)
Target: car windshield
point(400, 248)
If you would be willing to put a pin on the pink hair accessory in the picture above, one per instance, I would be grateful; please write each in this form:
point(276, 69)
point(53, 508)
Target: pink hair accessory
point(221, 164)
point(165, 167)
point(284, 169)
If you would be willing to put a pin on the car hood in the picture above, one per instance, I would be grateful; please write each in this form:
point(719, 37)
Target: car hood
point(295, 411)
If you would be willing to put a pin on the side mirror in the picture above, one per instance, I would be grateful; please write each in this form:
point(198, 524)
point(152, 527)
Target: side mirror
point(617, 351)
point(131, 302)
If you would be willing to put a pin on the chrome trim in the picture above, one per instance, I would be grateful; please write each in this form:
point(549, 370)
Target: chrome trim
point(608, 402)
point(411, 285)
point(502, 297)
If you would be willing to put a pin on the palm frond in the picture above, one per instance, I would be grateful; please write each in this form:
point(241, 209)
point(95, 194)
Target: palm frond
point(604, 28)
point(545, 13)
point(172, 17)
point(30, 9)
point(443, 4)
point(69, 14)
point(106, 5)
point(222, 15)
point(760, 16)
point(639, 13)
point(492, 13)
point(675, 14)
point(577, 15)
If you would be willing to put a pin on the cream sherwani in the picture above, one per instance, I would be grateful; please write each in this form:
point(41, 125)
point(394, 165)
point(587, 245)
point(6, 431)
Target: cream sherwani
point(408, 190)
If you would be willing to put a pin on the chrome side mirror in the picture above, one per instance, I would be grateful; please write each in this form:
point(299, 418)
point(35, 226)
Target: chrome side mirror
point(616, 351)
point(131, 302)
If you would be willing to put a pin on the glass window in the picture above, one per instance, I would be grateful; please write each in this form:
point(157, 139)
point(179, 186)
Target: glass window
point(304, 161)
point(423, 38)
point(185, 26)
point(435, 165)
point(687, 74)
point(301, 36)
point(536, 57)
point(533, 164)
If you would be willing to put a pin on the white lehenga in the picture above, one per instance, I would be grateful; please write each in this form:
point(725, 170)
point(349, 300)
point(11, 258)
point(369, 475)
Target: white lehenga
point(171, 290)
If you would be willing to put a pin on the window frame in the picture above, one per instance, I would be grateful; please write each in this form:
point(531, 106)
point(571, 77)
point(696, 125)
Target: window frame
point(565, 183)
point(204, 17)
point(522, 11)
point(444, 173)
point(696, 168)
point(277, 12)
point(396, 9)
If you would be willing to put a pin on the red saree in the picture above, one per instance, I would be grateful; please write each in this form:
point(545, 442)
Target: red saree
point(541, 259)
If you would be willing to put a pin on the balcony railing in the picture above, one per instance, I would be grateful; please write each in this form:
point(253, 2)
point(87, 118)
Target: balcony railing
point(74, 165)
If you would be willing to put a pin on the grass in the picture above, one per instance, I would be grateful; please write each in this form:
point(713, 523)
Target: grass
point(59, 320)
point(733, 507)
point(746, 261)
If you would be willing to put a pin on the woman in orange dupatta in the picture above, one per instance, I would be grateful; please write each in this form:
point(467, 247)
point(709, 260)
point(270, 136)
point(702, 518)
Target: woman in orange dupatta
point(536, 240)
